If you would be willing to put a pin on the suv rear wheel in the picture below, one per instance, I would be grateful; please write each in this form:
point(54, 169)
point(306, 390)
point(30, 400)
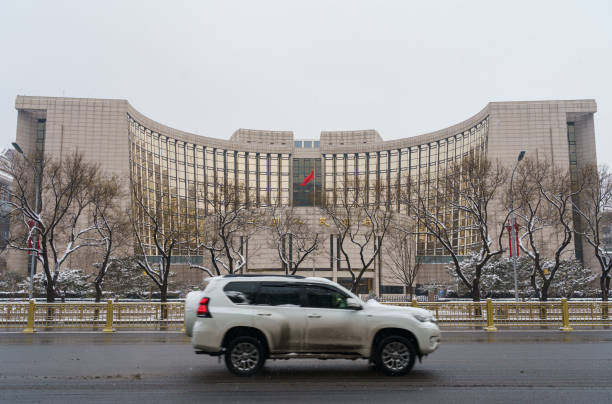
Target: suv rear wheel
point(395, 355)
point(244, 356)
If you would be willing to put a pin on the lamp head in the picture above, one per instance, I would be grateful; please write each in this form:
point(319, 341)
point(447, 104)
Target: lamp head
point(521, 155)
point(17, 148)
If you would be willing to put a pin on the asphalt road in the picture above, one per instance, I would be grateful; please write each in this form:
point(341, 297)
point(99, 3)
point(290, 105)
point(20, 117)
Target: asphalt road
point(469, 367)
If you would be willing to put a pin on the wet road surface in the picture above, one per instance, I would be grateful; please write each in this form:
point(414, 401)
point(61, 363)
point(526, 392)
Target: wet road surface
point(470, 366)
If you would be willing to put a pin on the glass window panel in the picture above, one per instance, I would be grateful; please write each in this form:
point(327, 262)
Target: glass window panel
point(325, 298)
point(278, 295)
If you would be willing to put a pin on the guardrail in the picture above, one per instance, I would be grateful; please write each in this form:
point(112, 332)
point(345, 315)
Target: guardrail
point(107, 316)
point(489, 315)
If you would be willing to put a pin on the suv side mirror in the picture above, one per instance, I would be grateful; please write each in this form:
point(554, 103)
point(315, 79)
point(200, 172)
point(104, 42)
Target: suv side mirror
point(353, 303)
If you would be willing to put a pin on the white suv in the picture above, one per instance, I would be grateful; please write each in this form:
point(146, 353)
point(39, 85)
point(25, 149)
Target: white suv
point(253, 318)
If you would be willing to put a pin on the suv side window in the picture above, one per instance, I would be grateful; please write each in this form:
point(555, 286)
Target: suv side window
point(241, 292)
point(325, 298)
point(278, 295)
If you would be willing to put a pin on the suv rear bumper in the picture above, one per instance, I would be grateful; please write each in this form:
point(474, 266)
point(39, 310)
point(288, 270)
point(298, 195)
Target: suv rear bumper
point(207, 336)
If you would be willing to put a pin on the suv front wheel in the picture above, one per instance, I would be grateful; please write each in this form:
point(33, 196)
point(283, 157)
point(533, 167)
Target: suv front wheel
point(395, 355)
point(244, 356)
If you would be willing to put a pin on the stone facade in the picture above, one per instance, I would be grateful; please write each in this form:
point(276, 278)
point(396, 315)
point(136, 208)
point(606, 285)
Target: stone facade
point(114, 134)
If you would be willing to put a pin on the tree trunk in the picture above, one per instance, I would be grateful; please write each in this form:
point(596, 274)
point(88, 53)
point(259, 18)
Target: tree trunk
point(98, 298)
point(51, 295)
point(164, 297)
point(355, 285)
point(543, 296)
point(544, 291)
point(476, 297)
point(98, 291)
point(476, 290)
point(283, 253)
point(604, 283)
point(102, 273)
point(163, 291)
point(534, 285)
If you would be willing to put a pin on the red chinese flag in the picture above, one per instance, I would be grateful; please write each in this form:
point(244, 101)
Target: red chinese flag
point(308, 178)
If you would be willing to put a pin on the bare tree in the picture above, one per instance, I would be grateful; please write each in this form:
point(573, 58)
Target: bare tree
point(293, 239)
point(460, 202)
point(405, 264)
point(361, 215)
point(49, 203)
point(111, 224)
point(593, 208)
point(157, 233)
point(225, 230)
point(545, 204)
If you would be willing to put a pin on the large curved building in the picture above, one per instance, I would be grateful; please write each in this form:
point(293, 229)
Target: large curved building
point(271, 164)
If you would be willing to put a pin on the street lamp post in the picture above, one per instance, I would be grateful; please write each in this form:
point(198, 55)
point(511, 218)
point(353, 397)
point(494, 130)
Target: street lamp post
point(32, 269)
point(515, 228)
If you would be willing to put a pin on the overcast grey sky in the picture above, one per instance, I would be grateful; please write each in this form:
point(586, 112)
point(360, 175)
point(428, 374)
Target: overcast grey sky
point(401, 67)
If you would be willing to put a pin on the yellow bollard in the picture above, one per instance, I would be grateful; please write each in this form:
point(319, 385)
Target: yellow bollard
point(565, 316)
point(490, 325)
point(414, 303)
point(31, 308)
point(109, 317)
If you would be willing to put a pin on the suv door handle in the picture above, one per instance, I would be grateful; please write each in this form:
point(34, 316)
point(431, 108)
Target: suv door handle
point(264, 314)
point(314, 316)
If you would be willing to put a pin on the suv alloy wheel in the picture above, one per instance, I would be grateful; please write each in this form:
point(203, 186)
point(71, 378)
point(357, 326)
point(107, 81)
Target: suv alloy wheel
point(395, 355)
point(244, 356)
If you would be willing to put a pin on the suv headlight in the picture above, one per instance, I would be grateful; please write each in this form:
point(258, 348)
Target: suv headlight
point(424, 319)
point(421, 317)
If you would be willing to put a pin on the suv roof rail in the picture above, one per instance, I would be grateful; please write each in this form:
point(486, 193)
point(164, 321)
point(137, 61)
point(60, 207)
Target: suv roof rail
point(259, 275)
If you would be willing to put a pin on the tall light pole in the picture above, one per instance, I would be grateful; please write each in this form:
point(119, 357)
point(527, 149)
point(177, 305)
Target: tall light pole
point(33, 230)
point(514, 235)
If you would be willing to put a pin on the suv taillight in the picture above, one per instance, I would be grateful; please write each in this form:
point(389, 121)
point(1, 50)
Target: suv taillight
point(203, 308)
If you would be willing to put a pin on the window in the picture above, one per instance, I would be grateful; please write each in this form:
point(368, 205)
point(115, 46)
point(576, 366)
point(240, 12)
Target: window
point(571, 140)
point(297, 143)
point(325, 298)
point(392, 289)
point(278, 295)
point(308, 144)
point(40, 131)
point(365, 285)
point(241, 292)
point(309, 194)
